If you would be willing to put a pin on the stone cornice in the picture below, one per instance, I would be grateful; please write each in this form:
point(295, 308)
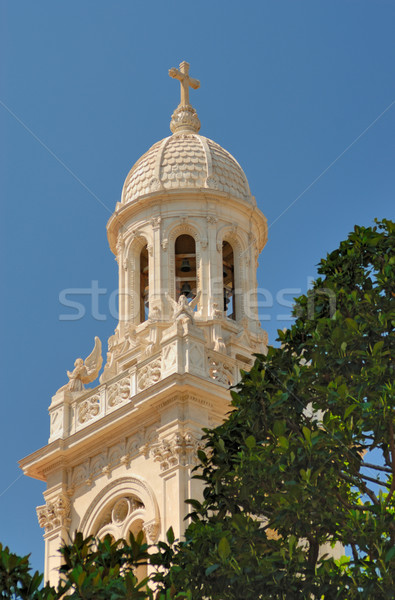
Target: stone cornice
point(125, 212)
point(112, 427)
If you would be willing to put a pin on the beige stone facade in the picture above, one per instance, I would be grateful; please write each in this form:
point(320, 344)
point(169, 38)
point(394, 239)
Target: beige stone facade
point(186, 235)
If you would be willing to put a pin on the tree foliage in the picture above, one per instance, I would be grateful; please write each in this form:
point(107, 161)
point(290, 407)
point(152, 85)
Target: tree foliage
point(306, 460)
point(303, 465)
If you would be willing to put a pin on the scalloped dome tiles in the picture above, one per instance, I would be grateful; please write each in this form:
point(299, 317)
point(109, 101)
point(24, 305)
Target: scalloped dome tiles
point(186, 160)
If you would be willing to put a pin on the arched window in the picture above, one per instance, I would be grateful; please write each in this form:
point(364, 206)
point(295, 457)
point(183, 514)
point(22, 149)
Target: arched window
point(121, 517)
point(228, 270)
point(144, 285)
point(185, 263)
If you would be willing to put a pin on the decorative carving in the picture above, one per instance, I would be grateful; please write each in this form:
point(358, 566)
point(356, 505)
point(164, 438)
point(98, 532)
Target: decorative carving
point(183, 309)
point(55, 513)
point(204, 243)
point(155, 184)
point(56, 421)
point(151, 530)
point(118, 513)
point(220, 371)
point(211, 219)
point(149, 374)
point(219, 345)
point(89, 409)
point(85, 371)
point(169, 356)
point(181, 449)
point(118, 392)
point(150, 249)
point(197, 357)
point(156, 221)
point(212, 182)
point(165, 243)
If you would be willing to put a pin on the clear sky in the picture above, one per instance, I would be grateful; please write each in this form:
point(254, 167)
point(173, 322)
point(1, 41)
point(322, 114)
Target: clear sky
point(301, 92)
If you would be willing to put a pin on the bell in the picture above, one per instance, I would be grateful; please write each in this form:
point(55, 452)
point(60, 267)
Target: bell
point(185, 266)
point(186, 289)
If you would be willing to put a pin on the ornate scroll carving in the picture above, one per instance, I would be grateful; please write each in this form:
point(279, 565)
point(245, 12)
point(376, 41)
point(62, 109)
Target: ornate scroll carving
point(149, 374)
point(118, 392)
point(55, 513)
point(89, 409)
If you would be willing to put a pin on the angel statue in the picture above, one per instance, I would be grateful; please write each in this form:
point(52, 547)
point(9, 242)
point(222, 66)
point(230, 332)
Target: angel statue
point(84, 371)
point(183, 309)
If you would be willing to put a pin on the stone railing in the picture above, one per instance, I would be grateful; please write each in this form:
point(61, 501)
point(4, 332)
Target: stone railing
point(71, 412)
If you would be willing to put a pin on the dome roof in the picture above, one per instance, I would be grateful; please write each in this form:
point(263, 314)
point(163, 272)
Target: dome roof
point(186, 160)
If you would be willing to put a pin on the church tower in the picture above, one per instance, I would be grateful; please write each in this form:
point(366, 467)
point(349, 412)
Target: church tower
point(186, 235)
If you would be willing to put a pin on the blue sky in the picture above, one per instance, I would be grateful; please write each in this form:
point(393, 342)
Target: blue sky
point(301, 92)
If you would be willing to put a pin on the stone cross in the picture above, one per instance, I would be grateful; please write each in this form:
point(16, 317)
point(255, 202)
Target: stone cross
point(183, 76)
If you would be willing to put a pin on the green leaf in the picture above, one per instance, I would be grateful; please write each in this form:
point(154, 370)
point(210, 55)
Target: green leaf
point(250, 442)
point(170, 535)
point(224, 548)
point(211, 569)
point(307, 433)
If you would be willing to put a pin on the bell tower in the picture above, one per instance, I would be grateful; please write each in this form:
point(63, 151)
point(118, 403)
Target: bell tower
point(186, 235)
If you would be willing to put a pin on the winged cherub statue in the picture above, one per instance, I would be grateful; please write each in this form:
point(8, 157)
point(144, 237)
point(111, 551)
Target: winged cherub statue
point(183, 309)
point(84, 371)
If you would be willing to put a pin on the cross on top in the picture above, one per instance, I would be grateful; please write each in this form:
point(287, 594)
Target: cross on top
point(186, 82)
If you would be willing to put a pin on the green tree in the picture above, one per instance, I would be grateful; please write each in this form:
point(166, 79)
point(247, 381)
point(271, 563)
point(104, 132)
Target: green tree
point(92, 570)
point(307, 457)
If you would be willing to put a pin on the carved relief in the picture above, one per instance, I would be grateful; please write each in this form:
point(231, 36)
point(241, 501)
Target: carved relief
point(56, 421)
point(220, 371)
point(55, 513)
point(169, 356)
point(149, 374)
point(89, 409)
point(155, 222)
point(151, 530)
point(118, 392)
point(181, 449)
point(197, 357)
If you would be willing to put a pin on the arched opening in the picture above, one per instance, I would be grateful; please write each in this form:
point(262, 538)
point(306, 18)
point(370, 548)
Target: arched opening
point(228, 274)
point(185, 266)
point(144, 285)
point(141, 571)
point(120, 517)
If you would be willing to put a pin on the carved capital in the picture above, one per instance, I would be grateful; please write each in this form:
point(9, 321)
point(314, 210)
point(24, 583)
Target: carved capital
point(55, 513)
point(151, 530)
point(155, 222)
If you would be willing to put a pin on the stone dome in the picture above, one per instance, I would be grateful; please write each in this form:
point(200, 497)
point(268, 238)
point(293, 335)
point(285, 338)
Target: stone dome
point(186, 160)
